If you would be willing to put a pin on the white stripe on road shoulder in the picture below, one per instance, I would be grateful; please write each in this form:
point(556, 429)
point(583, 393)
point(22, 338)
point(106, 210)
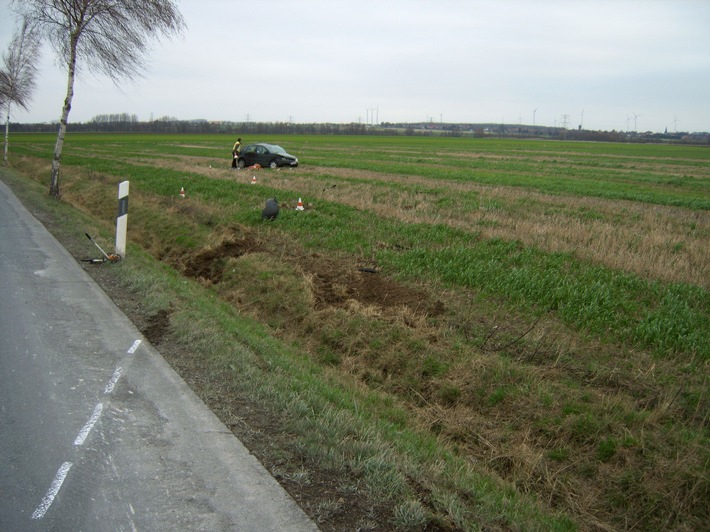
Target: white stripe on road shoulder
point(133, 348)
point(80, 439)
point(84, 432)
point(52, 491)
point(112, 383)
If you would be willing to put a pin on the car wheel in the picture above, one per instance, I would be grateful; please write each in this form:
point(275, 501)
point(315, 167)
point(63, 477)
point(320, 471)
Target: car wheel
point(241, 163)
point(273, 164)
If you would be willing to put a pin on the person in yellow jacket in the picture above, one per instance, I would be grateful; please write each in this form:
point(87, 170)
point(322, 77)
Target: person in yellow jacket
point(235, 152)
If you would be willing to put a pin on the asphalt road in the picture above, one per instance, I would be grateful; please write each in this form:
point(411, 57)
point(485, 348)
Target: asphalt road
point(96, 430)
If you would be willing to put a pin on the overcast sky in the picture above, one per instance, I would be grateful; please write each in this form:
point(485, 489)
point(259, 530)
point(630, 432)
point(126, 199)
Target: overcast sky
point(636, 64)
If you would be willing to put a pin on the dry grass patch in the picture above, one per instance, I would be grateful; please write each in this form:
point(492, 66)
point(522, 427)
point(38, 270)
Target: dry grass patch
point(657, 242)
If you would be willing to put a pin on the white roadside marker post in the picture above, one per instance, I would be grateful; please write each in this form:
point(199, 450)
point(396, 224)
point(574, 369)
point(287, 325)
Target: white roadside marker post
point(122, 219)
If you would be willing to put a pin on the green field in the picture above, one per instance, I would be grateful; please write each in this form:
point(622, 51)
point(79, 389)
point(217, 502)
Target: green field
point(465, 333)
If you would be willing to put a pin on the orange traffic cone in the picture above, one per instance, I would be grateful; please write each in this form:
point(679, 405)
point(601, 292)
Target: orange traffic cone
point(299, 207)
point(182, 192)
point(253, 180)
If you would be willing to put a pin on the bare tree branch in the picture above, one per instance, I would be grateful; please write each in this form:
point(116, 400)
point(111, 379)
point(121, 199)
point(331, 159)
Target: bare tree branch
point(110, 37)
point(17, 82)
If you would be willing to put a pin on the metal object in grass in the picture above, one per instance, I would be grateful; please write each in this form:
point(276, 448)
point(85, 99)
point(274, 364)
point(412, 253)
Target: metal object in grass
point(111, 258)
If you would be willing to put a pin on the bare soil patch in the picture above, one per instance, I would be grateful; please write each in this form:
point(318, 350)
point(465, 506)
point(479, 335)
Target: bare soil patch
point(335, 280)
point(207, 264)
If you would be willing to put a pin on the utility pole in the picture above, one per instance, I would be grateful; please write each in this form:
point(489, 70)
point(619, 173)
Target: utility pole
point(373, 115)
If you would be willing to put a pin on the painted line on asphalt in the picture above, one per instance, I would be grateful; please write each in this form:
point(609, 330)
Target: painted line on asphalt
point(134, 347)
point(114, 380)
point(84, 432)
point(52, 491)
point(119, 370)
point(80, 439)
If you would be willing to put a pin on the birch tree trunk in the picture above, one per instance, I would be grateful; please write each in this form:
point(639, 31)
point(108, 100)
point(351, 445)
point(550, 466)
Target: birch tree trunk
point(7, 133)
point(56, 160)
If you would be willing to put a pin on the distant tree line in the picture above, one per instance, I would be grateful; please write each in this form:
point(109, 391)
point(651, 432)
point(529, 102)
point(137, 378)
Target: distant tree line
point(125, 122)
point(129, 123)
point(121, 118)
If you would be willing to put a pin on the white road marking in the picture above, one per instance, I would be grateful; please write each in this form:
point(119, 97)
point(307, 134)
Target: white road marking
point(84, 432)
point(133, 348)
point(113, 381)
point(80, 439)
point(52, 491)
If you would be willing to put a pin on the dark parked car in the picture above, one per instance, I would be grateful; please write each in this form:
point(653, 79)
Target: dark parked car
point(265, 155)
